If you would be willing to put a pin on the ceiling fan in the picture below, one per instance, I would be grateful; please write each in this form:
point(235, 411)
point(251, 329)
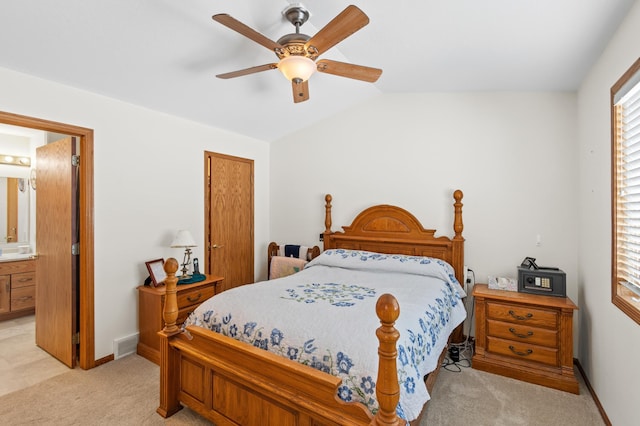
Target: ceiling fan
point(297, 52)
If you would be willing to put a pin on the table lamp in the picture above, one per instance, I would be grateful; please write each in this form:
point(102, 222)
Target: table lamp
point(184, 239)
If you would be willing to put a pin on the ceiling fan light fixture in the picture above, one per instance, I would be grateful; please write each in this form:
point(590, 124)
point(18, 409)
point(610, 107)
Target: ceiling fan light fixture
point(297, 67)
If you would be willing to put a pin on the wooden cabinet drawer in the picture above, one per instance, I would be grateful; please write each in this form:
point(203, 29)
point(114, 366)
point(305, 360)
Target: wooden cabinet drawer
point(523, 333)
point(194, 297)
point(524, 351)
point(184, 313)
point(522, 314)
point(23, 298)
point(24, 279)
point(10, 268)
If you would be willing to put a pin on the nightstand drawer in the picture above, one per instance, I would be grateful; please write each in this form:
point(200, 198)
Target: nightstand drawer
point(523, 333)
point(195, 296)
point(184, 313)
point(522, 351)
point(522, 315)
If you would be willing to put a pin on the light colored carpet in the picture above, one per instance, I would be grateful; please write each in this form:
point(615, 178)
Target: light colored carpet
point(122, 392)
point(474, 397)
point(125, 392)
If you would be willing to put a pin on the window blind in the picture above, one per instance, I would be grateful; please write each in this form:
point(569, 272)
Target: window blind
point(627, 133)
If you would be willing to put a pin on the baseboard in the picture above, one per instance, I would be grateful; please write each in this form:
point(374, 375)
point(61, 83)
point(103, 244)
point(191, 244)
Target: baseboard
point(103, 360)
point(592, 392)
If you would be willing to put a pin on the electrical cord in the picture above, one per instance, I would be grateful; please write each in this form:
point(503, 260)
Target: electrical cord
point(464, 357)
point(464, 348)
point(473, 301)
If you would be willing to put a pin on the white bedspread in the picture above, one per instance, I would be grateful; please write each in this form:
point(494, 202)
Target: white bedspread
point(324, 316)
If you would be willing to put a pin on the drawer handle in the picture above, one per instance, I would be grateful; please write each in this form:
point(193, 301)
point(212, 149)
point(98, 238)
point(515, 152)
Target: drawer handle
point(190, 299)
point(24, 298)
point(529, 351)
point(519, 317)
point(24, 280)
point(522, 336)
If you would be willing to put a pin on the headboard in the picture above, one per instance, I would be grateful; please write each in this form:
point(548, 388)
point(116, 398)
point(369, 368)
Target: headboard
point(393, 230)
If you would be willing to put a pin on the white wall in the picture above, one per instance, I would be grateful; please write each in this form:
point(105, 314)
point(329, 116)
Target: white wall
point(148, 184)
point(512, 154)
point(609, 340)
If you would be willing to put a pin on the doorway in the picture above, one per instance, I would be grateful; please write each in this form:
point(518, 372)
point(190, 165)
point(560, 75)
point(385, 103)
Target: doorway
point(229, 218)
point(85, 297)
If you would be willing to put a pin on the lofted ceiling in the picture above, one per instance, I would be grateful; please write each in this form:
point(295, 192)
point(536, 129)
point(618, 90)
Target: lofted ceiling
point(164, 54)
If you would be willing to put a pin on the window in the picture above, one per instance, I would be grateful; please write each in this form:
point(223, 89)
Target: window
point(625, 192)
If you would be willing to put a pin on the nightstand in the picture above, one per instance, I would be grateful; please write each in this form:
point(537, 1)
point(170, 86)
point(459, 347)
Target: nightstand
point(150, 306)
point(524, 336)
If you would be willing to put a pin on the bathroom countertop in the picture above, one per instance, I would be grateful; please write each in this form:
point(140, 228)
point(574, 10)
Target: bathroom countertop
point(13, 257)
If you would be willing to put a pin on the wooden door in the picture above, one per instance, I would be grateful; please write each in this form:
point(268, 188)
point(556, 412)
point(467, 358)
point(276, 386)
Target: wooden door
point(12, 210)
point(229, 218)
point(56, 232)
point(5, 294)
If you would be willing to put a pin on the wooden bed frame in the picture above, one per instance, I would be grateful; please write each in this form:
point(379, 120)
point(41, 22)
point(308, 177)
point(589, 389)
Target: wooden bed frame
point(233, 383)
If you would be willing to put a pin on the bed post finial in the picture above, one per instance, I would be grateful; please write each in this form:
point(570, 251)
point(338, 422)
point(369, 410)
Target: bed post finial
point(170, 312)
point(457, 220)
point(387, 386)
point(327, 213)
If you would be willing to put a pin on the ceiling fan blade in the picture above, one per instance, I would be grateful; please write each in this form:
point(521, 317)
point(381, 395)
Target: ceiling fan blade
point(344, 69)
point(252, 70)
point(300, 90)
point(342, 26)
point(246, 31)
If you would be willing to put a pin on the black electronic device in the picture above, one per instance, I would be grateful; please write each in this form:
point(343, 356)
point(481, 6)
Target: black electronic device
point(541, 280)
point(529, 263)
point(454, 353)
point(196, 266)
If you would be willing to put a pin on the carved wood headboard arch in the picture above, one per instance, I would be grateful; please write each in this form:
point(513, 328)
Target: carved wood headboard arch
point(393, 230)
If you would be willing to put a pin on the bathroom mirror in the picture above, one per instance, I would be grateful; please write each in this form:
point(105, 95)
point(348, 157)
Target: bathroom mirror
point(14, 210)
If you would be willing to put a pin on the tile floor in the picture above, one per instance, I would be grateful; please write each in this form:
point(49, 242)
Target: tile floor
point(22, 363)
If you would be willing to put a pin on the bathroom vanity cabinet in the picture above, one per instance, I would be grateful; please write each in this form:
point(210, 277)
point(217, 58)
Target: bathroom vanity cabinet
point(17, 288)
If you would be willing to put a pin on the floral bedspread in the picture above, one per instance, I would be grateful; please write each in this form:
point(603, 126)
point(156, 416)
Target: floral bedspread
point(324, 316)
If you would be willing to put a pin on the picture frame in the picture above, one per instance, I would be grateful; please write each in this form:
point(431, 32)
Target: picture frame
point(156, 272)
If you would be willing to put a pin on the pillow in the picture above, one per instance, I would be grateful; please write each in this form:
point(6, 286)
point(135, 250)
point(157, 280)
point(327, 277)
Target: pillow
point(366, 260)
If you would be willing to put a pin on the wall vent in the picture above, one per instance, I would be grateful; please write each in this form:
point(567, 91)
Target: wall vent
point(125, 346)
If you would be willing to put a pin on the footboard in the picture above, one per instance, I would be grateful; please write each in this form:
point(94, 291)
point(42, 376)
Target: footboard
point(234, 383)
